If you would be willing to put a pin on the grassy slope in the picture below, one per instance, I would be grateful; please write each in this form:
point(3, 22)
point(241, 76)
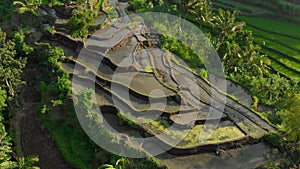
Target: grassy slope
point(233, 5)
point(279, 36)
point(274, 25)
point(274, 34)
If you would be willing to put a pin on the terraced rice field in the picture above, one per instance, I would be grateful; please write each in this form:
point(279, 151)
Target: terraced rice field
point(280, 41)
point(149, 88)
point(234, 5)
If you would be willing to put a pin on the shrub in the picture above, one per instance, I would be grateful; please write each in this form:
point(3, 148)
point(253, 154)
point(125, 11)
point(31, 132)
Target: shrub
point(255, 102)
point(64, 86)
point(56, 102)
point(49, 30)
point(45, 109)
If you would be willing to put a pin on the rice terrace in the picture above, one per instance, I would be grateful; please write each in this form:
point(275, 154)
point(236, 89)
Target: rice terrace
point(136, 84)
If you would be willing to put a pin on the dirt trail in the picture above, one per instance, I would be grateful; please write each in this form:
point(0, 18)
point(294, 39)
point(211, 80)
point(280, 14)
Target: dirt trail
point(30, 136)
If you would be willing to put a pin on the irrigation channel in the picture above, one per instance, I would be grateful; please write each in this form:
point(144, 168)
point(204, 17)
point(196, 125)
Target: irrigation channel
point(154, 79)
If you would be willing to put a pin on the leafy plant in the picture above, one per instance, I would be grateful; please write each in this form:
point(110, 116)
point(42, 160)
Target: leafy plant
point(48, 30)
point(64, 86)
point(28, 6)
point(11, 66)
point(80, 22)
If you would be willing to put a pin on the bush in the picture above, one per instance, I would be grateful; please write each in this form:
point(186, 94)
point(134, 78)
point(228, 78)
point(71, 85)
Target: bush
point(2, 99)
point(64, 86)
point(43, 86)
point(45, 109)
point(138, 5)
point(255, 102)
point(54, 56)
point(49, 30)
point(56, 102)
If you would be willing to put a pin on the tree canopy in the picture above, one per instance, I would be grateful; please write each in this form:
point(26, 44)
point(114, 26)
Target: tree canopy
point(11, 66)
point(80, 22)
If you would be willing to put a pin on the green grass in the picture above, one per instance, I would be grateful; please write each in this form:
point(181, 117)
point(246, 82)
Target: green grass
point(294, 43)
point(287, 10)
point(277, 46)
point(99, 4)
point(273, 25)
point(286, 45)
point(233, 5)
point(283, 70)
point(287, 62)
point(190, 137)
point(75, 146)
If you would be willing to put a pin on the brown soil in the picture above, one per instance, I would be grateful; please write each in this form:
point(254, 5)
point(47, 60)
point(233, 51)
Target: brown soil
point(30, 136)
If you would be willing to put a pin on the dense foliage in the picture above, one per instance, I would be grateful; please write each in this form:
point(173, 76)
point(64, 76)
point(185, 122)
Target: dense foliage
point(11, 68)
point(80, 21)
point(241, 56)
point(243, 62)
point(6, 10)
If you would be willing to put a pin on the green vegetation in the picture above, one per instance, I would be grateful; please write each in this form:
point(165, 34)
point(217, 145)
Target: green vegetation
point(287, 51)
point(11, 68)
point(244, 61)
point(280, 41)
point(292, 42)
point(188, 136)
point(80, 21)
point(287, 137)
point(6, 158)
point(273, 25)
point(270, 90)
point(290, 64)
point(6, 11)
point(182, 50)
point(288, 10)
point(30, 6)
point(290, 124)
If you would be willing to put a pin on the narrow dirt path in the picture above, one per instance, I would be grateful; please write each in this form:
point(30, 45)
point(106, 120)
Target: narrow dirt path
point(30, 136)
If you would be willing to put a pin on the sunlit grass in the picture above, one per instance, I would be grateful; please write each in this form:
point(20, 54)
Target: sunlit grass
point(277, 46)
point(273, 25)
point(190, 137)
point(286, 61)
point(294, 43)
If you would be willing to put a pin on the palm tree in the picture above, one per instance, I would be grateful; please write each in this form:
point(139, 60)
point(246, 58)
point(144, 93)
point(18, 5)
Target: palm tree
point(28, 6)
point(120, 164)
point(225, 24)
point(202, 10)
point(27, 163)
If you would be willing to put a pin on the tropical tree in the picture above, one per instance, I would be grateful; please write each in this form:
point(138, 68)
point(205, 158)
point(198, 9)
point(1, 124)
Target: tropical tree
point(290, 129)
point(80, 22)
point(64, 86)
point(6, 10)
point(186, 5)
point(28, 6)
point(2, 99)
point(236, 46)
point(290, 121)
point(27, 163)
point(120, 164)
point(202, 10)
point(11, 66)
point(22, 48)
point(225, 24)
